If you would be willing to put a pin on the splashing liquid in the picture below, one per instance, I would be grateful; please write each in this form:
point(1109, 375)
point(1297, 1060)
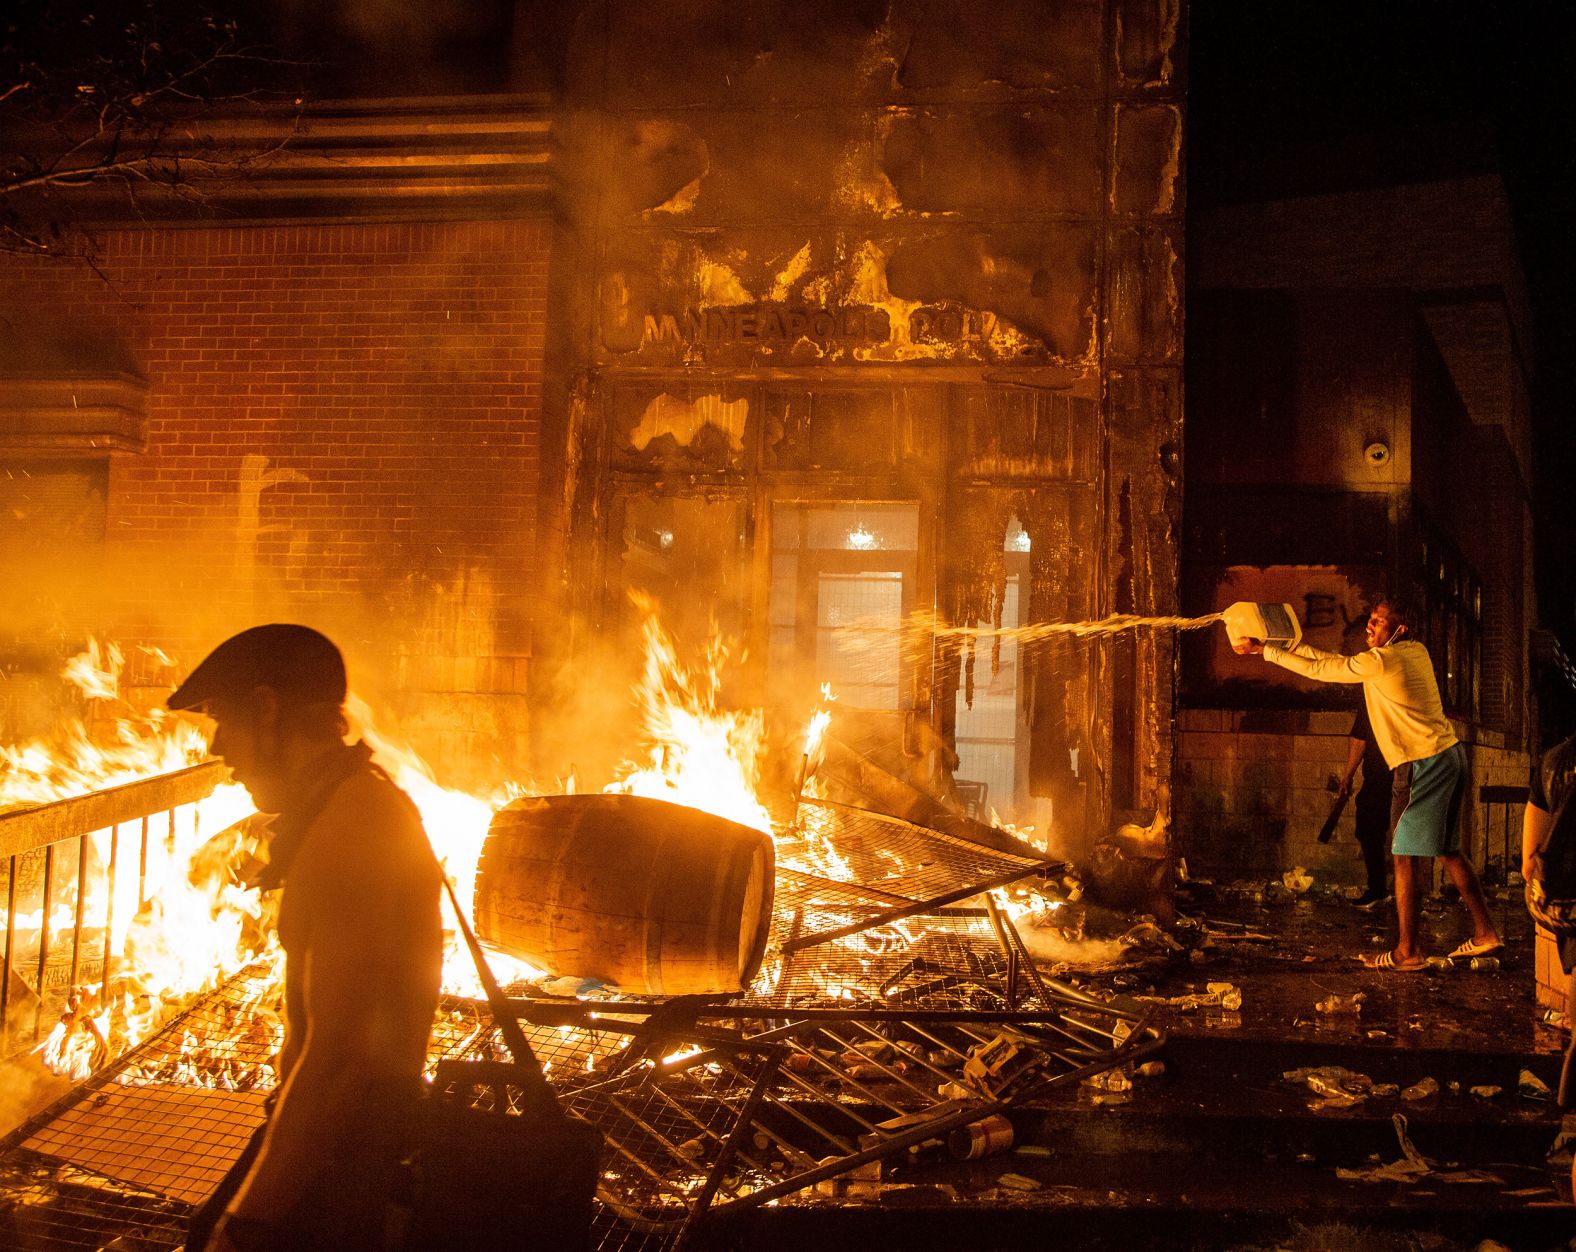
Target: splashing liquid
point(1111, 625)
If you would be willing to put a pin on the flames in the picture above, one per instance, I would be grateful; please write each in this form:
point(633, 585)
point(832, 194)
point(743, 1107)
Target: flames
point(697, 753)
point(72, 762)
point(196, 925)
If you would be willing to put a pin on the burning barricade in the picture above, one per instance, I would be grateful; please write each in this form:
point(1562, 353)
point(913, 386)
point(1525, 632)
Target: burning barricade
point(767, 1002)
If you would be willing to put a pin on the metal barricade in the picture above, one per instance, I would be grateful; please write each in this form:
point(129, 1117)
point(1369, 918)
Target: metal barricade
point(142, 811)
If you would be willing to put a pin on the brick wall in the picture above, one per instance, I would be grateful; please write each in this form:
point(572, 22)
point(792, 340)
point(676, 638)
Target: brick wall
point(342, 429)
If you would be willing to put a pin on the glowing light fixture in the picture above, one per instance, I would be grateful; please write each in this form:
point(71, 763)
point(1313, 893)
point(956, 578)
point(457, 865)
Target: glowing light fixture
point(862, 540)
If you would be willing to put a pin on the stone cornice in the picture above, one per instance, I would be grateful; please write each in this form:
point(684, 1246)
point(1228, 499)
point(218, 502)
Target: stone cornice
point(444, 156)
point(70, 413)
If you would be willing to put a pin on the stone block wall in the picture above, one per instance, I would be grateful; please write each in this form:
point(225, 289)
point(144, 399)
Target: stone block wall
point(1255, 787)
point(1252, 798)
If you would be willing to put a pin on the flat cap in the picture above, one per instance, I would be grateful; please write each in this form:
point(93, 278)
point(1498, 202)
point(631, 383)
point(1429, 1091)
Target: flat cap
point(296, 661)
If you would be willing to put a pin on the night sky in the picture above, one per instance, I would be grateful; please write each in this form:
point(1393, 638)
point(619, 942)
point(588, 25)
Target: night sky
point(1289, 96)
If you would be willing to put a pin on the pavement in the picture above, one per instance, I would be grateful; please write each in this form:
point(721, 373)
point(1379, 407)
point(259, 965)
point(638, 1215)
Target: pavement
point(1223, 1150)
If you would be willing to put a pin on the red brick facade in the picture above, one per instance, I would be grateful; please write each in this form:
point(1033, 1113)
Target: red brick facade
point(342, 428)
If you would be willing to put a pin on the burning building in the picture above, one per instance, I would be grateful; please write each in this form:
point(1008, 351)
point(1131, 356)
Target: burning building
point(805, 322)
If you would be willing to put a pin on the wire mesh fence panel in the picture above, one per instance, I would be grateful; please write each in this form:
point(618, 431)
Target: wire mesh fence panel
point(874, 850)
point(130, 1152)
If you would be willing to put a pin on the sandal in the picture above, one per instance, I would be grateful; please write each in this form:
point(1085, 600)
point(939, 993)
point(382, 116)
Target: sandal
point(1471, 947)
point(1387, 961)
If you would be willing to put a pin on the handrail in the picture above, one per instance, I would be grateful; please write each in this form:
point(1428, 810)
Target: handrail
point(23, 830)
point(75, 818)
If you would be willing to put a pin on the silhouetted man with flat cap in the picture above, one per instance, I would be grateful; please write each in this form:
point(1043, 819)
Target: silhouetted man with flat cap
point(359, 923)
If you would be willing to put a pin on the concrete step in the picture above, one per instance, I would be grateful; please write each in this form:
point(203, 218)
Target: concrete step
point(1220, 1151)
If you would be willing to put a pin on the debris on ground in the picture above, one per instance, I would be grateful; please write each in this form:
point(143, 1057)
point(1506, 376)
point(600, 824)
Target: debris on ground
point(1338, 1087)
point(1486, 1092)
point(1017, 1182)
point(1297, 880)
point(1412, 1165)
point(1216, 995)
point(1421, 1089)
point(1531, 1087)
point(1337, 1005)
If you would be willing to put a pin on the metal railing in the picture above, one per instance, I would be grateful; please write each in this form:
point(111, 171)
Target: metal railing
point(142, 810)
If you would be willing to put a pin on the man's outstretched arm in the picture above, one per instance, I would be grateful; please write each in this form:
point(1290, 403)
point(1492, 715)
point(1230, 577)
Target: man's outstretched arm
point(1327, 667)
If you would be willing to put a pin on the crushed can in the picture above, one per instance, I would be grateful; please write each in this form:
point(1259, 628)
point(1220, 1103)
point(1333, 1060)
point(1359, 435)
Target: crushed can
point(982, 1138)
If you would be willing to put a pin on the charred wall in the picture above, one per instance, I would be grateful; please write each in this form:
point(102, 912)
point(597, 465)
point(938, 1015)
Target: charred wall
point(898, 254)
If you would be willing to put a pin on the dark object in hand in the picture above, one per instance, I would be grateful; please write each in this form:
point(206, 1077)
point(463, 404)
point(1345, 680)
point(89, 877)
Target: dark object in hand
point(1327, 831)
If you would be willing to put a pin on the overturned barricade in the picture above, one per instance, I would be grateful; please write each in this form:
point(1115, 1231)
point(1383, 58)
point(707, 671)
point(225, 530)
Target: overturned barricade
point(894, 1005)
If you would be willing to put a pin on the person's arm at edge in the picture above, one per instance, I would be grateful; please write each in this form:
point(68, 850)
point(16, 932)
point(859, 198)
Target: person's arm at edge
point(1535, 827)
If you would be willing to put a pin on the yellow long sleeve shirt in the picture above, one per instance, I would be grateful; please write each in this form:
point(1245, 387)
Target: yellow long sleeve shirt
point(1404, 708)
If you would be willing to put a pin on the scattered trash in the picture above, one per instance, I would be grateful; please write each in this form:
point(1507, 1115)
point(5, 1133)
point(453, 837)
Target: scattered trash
point(1150, 1069)
point(569, 986)
point(1340, 1088)
point(1017, 1182)
point(1478, 1176)
point(1436, 962)
point(1297, 880)
point(1531, 1087)
point(1412, 1166)
point(1483, 963)
point(995, 1066)
point(1228, 995)
point(1556, 1017)
point(1421, 1089)
point(1216, 995)
point(1032, 1149)
point(1486, 1092)
point(986, 1137)
point(1336, 1005)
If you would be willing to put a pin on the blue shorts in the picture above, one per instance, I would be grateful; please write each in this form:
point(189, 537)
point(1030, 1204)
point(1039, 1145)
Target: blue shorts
point(1425, 803)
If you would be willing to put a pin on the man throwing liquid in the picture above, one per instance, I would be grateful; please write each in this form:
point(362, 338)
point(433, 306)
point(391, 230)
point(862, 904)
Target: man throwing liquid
point(1430, 770)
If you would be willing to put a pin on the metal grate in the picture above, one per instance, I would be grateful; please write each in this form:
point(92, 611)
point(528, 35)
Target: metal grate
point(129, 1153)
point(866, 911)
point(891, 1015)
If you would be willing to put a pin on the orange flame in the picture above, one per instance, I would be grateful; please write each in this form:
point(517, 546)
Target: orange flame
point(698, 754)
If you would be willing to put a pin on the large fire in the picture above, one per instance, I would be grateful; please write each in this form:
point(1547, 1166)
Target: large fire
point(199, 925)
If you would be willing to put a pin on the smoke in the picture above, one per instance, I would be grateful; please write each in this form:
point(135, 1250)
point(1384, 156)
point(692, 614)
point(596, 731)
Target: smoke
point(26, 1088)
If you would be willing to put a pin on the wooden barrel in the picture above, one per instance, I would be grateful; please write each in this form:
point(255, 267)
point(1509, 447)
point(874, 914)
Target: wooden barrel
point(643, 894)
